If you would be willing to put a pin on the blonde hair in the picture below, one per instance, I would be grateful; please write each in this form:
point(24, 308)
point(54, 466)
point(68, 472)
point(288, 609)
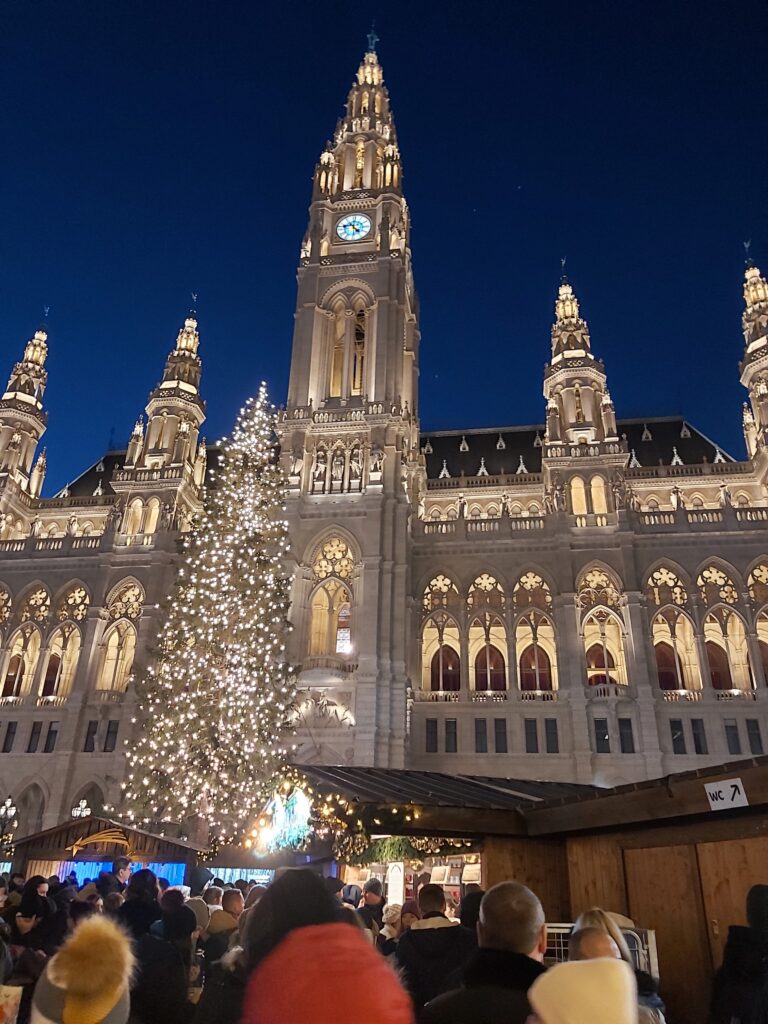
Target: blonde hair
point(596, 917)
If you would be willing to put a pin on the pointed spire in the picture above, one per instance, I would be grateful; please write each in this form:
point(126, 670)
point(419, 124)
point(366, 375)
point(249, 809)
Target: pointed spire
point(183, 367)
point(754, 320)
point(570, 334)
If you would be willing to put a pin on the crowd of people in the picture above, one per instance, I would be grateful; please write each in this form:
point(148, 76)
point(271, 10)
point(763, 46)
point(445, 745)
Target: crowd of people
point(128, 948)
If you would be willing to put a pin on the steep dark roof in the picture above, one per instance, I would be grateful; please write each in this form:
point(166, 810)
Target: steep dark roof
point(84, 485)
point(434, 789)
point(665, 434)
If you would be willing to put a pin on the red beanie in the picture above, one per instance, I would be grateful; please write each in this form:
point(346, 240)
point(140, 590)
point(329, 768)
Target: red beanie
point(306, 980)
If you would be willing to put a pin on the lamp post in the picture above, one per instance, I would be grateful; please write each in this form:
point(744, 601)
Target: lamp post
point(81, 810)
point(8, 825)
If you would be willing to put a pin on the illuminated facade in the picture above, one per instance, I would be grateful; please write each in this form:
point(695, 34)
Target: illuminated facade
point(583, 599)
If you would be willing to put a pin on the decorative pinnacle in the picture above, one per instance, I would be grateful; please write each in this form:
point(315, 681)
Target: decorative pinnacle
point(372, 38)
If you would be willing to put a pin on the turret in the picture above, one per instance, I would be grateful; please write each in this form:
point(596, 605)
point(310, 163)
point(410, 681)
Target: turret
point(754, 365)
point(22, 417)
point(579, 407)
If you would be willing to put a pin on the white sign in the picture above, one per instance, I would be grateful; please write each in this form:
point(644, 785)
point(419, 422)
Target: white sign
point(726, 794)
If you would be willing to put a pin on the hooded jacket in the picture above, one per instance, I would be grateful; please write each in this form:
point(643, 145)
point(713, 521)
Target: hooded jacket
point(429, 952)
point(325, 974)
point(742, 981)
point(87, 981)
point(494, 988)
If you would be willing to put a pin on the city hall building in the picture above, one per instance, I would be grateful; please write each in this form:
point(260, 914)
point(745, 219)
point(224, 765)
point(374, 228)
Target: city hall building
point(583, 599)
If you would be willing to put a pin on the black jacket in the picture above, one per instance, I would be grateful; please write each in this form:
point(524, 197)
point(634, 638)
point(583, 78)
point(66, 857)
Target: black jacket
point(494, 989)
point(137, 917)
point(429, 953)
point(740, 984)
point(372, 914)
point(160, 986)
point(223, 994)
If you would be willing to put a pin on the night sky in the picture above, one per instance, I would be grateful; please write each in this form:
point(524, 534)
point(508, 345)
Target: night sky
point(154, 149)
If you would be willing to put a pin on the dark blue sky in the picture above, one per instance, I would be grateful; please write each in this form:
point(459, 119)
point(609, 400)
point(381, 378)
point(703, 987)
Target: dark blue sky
point(152, 149)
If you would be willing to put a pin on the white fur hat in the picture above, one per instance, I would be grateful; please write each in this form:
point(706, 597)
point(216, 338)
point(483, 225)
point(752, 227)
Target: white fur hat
point(600, 991)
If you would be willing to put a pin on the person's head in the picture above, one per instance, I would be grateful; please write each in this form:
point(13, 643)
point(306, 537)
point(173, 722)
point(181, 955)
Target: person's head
point(469, 911)
point(585, 992)
point(79, 910)
point(334, 886)
point(242, 885)
point(218, 883)
point(163, 884)
point(112, 902)
point(95, 901)
point(757, 907)
point(297, 899)
point(17, 882)
point(142, 886)
point(596, 917)
point(254, 895)
point(409, 914)
point(512, 919)
point(213, 895)
point(232, 901)
point(373, 892)
point(179, 926)
point(53, 883)
point(392, 916)
point(431, 899)
point(590, 944)
point(121, 869)
point(42, 885)
point(171, 899)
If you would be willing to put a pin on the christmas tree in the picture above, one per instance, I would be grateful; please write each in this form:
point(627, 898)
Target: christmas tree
point(213, 724)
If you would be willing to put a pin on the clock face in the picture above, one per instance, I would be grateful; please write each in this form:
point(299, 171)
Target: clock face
point(353, 226)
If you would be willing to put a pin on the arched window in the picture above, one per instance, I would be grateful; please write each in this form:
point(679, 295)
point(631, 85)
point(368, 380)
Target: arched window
point(601, 665)
point(757, 585)
point(445, 673)
point(674, 643)
point(64, 652)
point(133, 517)
point(23, 652)
point(357, 383)
point(74, 604)
point(119, 650)
point(440, 592)
point(596, 587)
point(127, 601)
point(151, 516)
point(719, 669)
point(490, 669)
point(535, 669)
point(597, 490)
point(604, 649)
point(664, 587)
point(486, 592)
point(716, 586)
point(667, 667)
point(14, 676)
point(337, 353)
point(725, 640)
point(578, 497)
point(531, 591)
point(51, 678)
point(331, 619)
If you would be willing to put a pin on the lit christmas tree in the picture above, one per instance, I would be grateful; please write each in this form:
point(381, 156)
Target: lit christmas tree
point(214, 709)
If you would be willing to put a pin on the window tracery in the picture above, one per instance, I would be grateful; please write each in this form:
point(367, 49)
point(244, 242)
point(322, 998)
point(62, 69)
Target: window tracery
point(74, 605)
point(486, 592)
point(664, 587)
point(23, 652)
point(716, 586)
point(127, 602)
point(333, 559)
point(119, 652)
point(597, 588)
point(6, 603)
point(440, 592)
point(757, 585)
point(531, 591)
point(674, 644)
point(36, 606)
point(536, 652)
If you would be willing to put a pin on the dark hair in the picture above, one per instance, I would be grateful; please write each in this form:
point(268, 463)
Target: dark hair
point(119, 863)
point(296, 899)
point(163, 884)
point(469, 911)
point(171, 899)
point(142, 886)
point(32, 904)
point(80, 909)
point(218, 882)
point(431, 898)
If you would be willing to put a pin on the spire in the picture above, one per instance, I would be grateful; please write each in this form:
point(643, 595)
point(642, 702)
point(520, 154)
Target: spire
point(29, 377)
point(183, 368)
point(754, 365)
point(363, 153)
point(570, 334)
point(22, 417)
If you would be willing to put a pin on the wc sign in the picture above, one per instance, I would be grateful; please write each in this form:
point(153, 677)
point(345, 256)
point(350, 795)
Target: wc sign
point(726, 794)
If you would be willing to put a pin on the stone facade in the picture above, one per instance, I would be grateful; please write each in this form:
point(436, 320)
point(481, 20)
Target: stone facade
point(584, 600)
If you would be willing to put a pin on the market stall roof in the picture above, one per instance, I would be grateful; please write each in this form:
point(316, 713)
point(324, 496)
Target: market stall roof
point(385, 786)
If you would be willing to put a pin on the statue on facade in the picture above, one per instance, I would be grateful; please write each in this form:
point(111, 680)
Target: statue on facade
point(297, 461)
point(619, 487)
point(462, 507)
point(166, 517)
point(676, 498)
point(321, 465)
point(726, 500)
point(35, 526)
point(377, 459)
point(337, 465)
point(72, 525)
point(113, 518)
point(559, 498)
point(355, 464)
point(549, 504)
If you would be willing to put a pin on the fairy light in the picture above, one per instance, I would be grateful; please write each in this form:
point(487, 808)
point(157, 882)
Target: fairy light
point(214, 733)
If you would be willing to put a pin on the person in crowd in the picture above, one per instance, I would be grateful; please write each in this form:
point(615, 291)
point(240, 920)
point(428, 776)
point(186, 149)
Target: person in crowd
point(117, 879)
point(469, 910)
point(72, 879)
point(87, 980)
point(410, 913)
point(387, 938)
point(372, 908)
point(79, 912)
point(160, 989)
point(433, 948)
point(591, 943)
point(600, 991)
point(201, 910)
point(213, 896)
point(740, 987)
point(15, 888)
point(295, 933)
point(613, 923)
point(223, 925)
point(351, 894)
point(38, 924)
point(141, 908)
point(512, 940)
point(112, 903)
point(335, 887)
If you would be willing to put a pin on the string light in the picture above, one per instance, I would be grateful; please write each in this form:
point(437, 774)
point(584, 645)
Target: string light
point(214, 710)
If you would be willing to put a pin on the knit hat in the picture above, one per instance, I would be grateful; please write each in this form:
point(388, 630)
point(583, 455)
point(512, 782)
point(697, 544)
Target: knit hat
point(392, 913)
point(178, 923)
point(306, 978)
point(411, 907)
point(374, 885)
point(599, 991)
point(87, 981)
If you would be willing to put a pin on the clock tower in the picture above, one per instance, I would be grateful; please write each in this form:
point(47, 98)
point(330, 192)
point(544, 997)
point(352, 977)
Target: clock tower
point(350, 440)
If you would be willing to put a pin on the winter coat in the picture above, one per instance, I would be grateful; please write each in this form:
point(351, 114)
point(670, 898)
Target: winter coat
point(160, 989)
point(224, 991)
point(107, 883)
point(88, 978)
point(372, 916)
point(429, 952)
point(739, 985)
point(325, 974)
point(137, 917)
point(494, 988)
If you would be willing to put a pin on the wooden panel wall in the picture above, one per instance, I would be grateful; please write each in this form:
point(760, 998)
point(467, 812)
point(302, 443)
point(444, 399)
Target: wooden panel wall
point(728, 871)
point(596, 875)
point(539, 864)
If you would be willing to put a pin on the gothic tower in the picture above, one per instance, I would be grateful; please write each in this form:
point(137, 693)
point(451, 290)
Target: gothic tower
point(23, 419)
point(754, 366)
point(349, 438)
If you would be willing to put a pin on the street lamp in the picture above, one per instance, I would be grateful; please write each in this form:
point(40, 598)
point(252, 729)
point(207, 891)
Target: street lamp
point(82, 810)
